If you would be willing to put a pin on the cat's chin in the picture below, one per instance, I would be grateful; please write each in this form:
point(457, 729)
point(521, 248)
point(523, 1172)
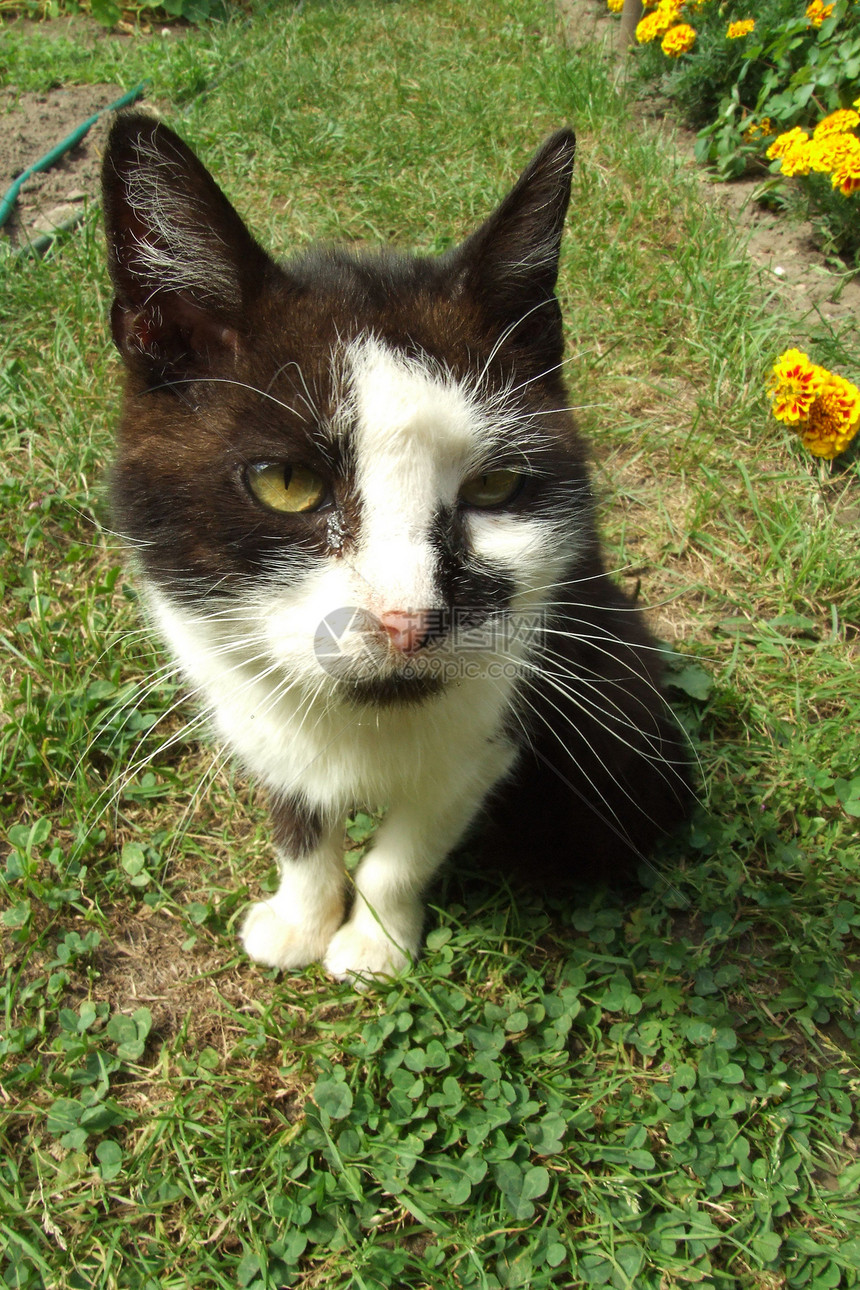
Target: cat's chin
point(391, 690)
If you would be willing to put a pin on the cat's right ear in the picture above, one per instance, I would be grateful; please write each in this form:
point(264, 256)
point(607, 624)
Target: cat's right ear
point(184, 266)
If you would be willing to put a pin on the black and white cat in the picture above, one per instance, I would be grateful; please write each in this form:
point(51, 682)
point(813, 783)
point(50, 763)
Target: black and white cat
point(363, 522)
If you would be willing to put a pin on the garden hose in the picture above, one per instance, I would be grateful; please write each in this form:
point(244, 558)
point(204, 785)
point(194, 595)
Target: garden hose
point(7, 202)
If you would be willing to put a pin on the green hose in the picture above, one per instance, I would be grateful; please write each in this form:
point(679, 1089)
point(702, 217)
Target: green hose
point(7, 202)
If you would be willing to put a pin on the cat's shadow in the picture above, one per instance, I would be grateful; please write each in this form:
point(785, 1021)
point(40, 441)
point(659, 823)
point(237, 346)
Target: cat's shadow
point(532, 899)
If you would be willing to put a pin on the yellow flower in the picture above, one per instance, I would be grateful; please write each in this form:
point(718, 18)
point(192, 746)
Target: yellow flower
point(615, 6)
point(833, 418)
point(796, 161)
point(837, 123)
point(647, 29)
point(657, 22)
point(792, 151)
point(817, 11)
point(832, 152)
point(783, 142)
point(793, 385)
point(678, 40)
point(823, 406)
point(743, 28)
point(846, 175)
point(761, 129)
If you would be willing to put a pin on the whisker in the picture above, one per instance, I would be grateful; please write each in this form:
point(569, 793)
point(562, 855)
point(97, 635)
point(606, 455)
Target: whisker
point(617, 827)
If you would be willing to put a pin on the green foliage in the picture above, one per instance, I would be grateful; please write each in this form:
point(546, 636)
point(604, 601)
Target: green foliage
point(110, 13)
point(477, 1136)
point(194, 11)
point(835, 217)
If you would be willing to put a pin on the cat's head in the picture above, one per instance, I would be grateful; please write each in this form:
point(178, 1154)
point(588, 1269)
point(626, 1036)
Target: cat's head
point(367, 434)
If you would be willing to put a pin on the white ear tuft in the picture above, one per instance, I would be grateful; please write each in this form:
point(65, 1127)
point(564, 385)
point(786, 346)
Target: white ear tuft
point(170, 228)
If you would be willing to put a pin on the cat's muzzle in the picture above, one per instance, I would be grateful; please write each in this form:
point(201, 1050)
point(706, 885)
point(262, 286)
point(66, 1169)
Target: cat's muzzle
point(390, 659)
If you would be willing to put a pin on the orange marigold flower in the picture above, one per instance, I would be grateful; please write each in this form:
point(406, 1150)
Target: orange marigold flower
point(817, 11)
point(792, 150)
point(833, 418)
point(758, 129)
point(833, 151)
point(648, 28)
point(657, 22)
point(615, 6)
point(738, 29)
point(678, 40)
point(793, 385)
point(837, 123)
point(783, 142)
point(846, 175)
point(796, 161)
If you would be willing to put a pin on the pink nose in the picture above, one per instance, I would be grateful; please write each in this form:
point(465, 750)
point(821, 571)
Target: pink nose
point(406, 630)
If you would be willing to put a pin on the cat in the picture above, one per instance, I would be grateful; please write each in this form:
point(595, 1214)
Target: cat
point(362, 520)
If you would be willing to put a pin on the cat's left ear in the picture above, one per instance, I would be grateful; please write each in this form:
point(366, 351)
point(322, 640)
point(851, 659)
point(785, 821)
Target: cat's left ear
point(509, 267)
point(184, 266)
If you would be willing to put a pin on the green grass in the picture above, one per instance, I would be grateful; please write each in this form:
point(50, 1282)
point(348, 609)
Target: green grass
point(632, 1089)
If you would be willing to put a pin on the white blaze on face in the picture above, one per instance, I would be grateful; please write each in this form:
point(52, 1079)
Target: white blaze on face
point(417, 436)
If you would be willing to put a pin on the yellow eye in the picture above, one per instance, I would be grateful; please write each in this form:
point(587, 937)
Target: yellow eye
point(289, 489)
point(492, 489)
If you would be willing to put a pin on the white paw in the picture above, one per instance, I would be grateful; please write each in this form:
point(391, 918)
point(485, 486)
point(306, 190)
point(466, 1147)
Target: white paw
point(353, 952)
point(272, 940)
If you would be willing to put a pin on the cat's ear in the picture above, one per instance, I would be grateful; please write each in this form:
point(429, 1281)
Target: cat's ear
point(509, 266)
point(184, 267)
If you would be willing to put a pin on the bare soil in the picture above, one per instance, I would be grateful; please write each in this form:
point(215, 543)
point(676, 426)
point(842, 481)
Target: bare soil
point(30, 126)
point(796, 275)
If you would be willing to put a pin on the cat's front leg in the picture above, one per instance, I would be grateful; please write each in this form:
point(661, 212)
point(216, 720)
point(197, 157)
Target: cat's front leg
point(383, 933)
point(295, 926)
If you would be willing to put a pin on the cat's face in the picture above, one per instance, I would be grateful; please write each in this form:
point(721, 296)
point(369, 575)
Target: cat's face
point(350, 470)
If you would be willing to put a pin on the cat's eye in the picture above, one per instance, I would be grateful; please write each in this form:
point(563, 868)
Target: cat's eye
point(494, 488)
point(289, 489)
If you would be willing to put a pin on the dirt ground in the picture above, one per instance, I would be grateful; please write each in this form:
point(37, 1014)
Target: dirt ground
point(794, 274)
point(30, 126)
point(793, 270)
